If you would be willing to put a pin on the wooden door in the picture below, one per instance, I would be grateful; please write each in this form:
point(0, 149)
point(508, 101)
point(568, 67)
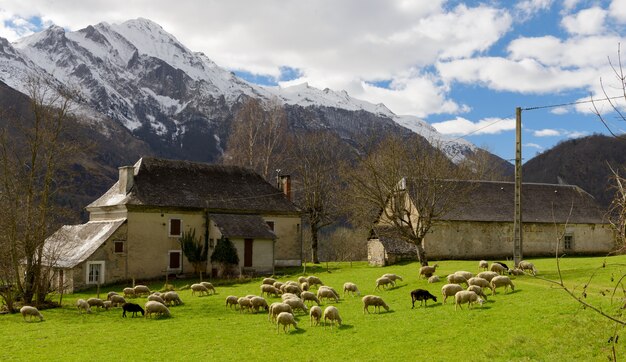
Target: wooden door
point(247, 252)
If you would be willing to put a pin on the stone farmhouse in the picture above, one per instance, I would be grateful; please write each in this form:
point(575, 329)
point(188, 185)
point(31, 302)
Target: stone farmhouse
point(134, 229)
point(482, 227)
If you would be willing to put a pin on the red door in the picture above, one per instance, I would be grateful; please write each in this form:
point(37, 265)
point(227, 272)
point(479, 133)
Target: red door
point(247, 252)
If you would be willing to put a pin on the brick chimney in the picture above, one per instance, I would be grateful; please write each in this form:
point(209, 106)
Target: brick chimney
point(285, 185)
point(127, 178)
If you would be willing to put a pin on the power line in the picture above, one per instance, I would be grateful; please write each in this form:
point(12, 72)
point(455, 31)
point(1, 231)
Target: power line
point(571, 103)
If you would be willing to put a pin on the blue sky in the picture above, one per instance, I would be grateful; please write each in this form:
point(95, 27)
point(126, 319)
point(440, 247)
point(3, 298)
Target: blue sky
point(462, 66)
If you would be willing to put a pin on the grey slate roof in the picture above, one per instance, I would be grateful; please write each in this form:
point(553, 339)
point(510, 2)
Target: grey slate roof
point(73, 244)
point(172, 183)
point(242, 226)
point(541, 203)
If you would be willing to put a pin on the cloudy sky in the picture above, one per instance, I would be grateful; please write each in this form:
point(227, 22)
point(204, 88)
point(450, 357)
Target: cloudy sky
point(462, 66)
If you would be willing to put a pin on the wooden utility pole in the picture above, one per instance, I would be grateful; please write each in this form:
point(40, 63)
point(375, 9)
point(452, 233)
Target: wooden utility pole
point(517, 223)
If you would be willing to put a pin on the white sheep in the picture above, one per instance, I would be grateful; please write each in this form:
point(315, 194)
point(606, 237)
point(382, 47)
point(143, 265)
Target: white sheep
point(141, 290)
point(465, 274)
point(172, 297)
point(257, 303)
point(466, 296)
point(351, 288)
point(285, 319)
point(373, 300)
point(327, 293)
point(456, 279)
point(313, 280)
point(286, 296)
point(117, 300)
point(232, 300)
point(268, 281)
point(383, 281)
point(483, 265)
point(95, 302)
point(427, 271)
point(315, 314)
point(201, 289)
point(107, 304)
point(291, 288)
point(296, 303)
point(269, 289)
point(516, 272)
point(393, 278)
point(244, 303)
point(478, 290)
point(156, 298)
point(278, 285)
point(82, 304)
point(497, 268)
point(110, 294)
point(449, 290)
point(276, 308)
point(303, 280)
point(304, 286)
point(153, 307)
point(31, 312)
point(309, 296)
point(332, 314)
point(129, 292)
point(526, 265)
point(434, 279)
point(483, 283)
point(209, 287)
point(499, 281)
point(487, 275)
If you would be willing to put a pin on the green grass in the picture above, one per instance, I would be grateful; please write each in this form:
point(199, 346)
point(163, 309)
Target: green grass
point(536, 322)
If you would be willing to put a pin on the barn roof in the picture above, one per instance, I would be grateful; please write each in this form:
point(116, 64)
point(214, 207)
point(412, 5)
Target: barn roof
point(185, 184)
point(242, 226)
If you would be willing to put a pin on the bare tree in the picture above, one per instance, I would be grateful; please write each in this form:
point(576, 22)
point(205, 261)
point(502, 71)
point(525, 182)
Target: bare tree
point(346, 244)
point(613, 101)
point(616, 214)
point(257, 137)
point(404, 184)
point(32, 152)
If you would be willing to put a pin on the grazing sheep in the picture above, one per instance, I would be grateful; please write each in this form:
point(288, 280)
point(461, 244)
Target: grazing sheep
point(250, 296)
point(483, 283)
point(303, 280)
point(286, 296)
point(466, 296)
point(268, 289)
point(304, 286)
point(327, 293)
point(129, 292)
point(350, 288)
point(117, 300)
point(315, 314)
point(456, 279)
point(141, 290)
point(487, 275)
point(309, 296)
point(259, 302)
point(232, 300)
point(244, 303)
point(434, 279)
point(427, 271)
point(111, 294)
point(422, 295)
point(278, 285)
point(465, 274)
point(498, 268)
point(516, 272)
point(449, 290)
point(31, 312)
point(201, 289)
point(501, 280)
point(526, 265)
point(95, 302)
point(290, 288)
point(107, 304)
point(291, 282)
point(157, 308)
point(156, 298)
point(504, 265)
point(277, 308)
point(82, 304)
point(332, 314)
point(132, 307)
point(296, 303)
point(209, 287)
point(375, 301)
point(478, 290)
point(269, 281)
point(313, 280)
point(483, 265)
point(393, 278)
point(285, 319)
point(382, 281)
point(172, 297)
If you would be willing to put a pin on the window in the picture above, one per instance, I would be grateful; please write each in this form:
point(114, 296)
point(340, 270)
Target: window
point(174, 263)
point(247, 252)
point(175, 227)
point(118, 246)
point(568, 242)
point(270, 224)
point(95, 272)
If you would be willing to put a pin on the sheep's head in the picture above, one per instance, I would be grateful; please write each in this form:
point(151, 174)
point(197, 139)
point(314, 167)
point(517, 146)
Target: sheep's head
point(480, 301)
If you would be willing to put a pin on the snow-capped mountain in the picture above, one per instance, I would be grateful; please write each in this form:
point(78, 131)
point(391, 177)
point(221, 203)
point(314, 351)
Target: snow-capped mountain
point(177, 100)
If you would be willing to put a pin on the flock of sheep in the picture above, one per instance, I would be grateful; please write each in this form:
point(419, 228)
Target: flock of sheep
point(297, 297)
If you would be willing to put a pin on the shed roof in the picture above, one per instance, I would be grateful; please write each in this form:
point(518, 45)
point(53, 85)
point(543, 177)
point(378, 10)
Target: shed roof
point(242, 226)
point(185, 184)
point(73, 244)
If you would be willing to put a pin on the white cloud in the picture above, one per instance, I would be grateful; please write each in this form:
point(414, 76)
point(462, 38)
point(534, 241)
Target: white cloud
point(585, 22)
point(461, 126)
point(534, 145)
point(546, 133)
point(528, 8)
point(569, 5)
point(559, 110)
point(617, 10)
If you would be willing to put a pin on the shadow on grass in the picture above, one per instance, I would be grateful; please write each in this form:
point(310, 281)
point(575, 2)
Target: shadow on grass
point(431, 305)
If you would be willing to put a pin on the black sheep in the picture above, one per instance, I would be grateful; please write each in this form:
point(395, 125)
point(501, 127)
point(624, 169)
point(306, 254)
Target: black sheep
point(132, 307)
point(505, 266)
point(422, 295)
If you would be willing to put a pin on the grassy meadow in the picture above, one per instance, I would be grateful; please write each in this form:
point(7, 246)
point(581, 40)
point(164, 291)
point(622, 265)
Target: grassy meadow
point(537, 321)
